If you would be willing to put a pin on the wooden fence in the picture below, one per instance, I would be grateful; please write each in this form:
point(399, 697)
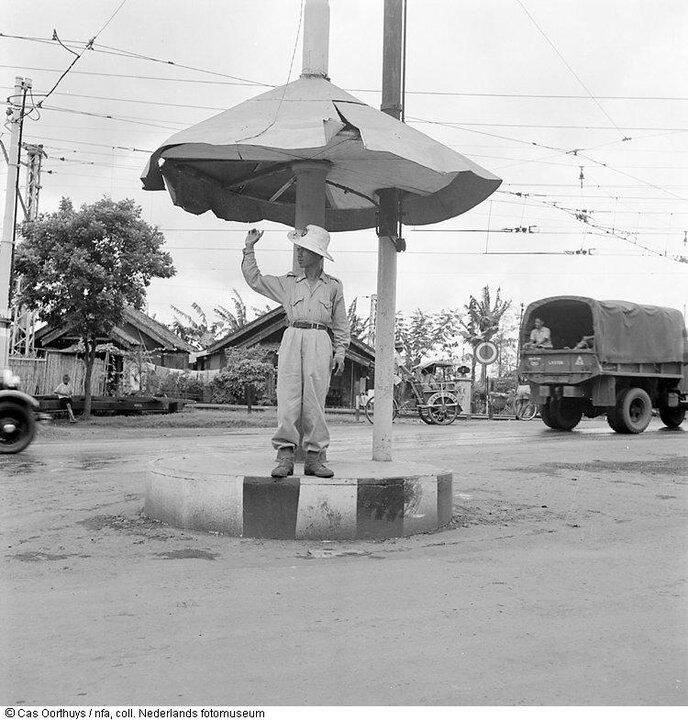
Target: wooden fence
point(40, 376)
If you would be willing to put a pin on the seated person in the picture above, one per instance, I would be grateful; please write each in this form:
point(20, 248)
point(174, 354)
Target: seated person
point(540, 336)
point(587, 343)
point(64, 392)
point(400, 371)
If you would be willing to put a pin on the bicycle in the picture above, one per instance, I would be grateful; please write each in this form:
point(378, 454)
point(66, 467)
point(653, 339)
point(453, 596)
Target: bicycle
point(522, 408)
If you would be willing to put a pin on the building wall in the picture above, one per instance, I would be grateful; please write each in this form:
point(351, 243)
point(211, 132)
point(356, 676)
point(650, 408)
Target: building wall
point(343, 389)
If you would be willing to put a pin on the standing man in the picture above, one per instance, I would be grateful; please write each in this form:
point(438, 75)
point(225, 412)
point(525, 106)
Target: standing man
point(314, 303)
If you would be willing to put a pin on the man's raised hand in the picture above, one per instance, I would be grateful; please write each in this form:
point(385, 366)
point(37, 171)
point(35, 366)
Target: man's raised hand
point(253, 236)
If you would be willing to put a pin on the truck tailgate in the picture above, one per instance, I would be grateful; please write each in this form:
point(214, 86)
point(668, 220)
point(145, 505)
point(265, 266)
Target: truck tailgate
point(559, 366)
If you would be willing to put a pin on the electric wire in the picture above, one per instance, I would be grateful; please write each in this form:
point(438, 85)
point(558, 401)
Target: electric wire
point(570, 69)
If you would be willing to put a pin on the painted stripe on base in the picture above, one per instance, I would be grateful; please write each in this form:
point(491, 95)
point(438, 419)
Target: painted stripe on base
point(420, 505)
point(327, 510)
point(209, 503)
point(306, 508)
point(270, 507)
point(380, 508)
point(444, 499)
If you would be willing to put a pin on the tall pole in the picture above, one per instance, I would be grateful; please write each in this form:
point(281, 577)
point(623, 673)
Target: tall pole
point(388, 241)
point(14, 117)
point(310, 176)
point(23, 329)
point(311, 198)
point(310, 195)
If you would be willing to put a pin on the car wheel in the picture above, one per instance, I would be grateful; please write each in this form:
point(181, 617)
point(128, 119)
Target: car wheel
point(17, 427)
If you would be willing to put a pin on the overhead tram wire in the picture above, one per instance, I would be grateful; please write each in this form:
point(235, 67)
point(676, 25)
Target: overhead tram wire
point(612, 232)
point(558, 150)
point(78, 56)
point(257, 83)
point(109, 50)
point(459, 125)
point(570, 69)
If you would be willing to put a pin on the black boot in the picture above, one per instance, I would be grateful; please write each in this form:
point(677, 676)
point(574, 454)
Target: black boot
point(313, 466)
point(285, 463)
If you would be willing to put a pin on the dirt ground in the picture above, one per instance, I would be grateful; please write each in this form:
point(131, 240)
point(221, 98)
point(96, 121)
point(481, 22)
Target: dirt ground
point(562, 579)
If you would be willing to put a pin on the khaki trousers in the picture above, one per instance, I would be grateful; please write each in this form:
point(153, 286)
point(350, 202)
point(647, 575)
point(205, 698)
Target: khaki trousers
point(303, 378)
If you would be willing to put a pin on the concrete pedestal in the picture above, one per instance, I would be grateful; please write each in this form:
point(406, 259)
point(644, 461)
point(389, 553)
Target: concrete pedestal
point(366, 500)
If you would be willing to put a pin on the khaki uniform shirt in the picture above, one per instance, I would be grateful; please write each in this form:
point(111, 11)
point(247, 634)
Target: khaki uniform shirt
point(540, 336)
point(324, 304)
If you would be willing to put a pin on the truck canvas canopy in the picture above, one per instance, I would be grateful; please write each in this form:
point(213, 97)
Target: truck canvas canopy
point(624, 332)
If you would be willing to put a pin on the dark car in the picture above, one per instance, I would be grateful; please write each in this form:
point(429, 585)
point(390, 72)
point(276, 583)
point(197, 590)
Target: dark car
point(17, 415)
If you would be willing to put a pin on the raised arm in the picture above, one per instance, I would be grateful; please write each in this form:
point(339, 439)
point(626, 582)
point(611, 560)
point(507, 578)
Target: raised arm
point(271, 286)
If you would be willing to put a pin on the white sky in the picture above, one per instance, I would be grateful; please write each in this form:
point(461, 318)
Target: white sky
point(631, 48)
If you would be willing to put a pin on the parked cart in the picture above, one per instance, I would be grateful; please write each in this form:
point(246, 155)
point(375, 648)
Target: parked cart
point(429, 391)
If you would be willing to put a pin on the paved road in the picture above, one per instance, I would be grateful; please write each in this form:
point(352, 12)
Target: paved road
point(561, 581)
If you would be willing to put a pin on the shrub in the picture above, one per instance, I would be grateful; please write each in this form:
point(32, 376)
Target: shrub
point(182, 385)
point(246, 367)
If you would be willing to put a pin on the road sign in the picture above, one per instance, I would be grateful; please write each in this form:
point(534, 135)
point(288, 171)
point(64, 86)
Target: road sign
point(486, 352)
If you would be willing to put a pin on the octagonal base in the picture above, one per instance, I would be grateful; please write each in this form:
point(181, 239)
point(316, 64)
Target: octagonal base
point(365, 500)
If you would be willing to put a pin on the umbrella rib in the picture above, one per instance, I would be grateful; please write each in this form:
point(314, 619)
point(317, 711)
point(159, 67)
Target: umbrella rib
point(283, 189)
point(256, 175)
point(350, 190)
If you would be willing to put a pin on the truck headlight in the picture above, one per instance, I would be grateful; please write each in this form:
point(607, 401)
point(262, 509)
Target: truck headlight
point(9, 379)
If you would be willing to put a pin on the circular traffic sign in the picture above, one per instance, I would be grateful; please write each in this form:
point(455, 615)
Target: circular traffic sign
point(486, 352)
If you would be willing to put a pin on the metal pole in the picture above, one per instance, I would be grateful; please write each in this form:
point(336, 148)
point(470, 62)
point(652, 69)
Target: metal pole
point(392, 57)
point(23, 329)
point(316, 38)
point(310, 209)
point(310, 195)
point(8, 225)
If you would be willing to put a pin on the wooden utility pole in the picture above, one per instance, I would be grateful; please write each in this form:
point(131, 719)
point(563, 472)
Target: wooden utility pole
point(15, 111)
point(388, 239)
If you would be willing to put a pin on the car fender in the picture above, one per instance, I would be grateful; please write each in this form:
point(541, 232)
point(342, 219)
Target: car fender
point(18, 396)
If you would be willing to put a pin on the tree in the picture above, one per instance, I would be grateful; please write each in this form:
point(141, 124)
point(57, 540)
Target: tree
point(482, 321)
point(80, 268)
point(197, 331)
point(424, 334)
point(358, 325)
point(506, 341)
point(202, 333)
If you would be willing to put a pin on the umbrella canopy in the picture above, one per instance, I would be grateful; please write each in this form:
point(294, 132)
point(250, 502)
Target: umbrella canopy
point(240, 163)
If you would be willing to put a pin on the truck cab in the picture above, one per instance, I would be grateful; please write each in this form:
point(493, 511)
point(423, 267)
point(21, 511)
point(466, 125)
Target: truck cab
point(608, 357)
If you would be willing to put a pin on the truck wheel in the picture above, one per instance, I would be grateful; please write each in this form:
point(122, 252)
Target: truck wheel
point(546, 415)
point(561, 413)
point(672, 417)
point(613, 420)
point(566, 412)
point(633, 410)
point(17, 427)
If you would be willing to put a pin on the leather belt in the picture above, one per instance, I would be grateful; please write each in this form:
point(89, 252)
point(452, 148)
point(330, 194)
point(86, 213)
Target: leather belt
point(308, 326)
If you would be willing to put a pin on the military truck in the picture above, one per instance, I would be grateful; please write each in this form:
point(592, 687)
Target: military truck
point(607, 357)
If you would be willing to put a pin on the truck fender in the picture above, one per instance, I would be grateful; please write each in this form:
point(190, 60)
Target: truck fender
point(604, 391)
point(20, 397)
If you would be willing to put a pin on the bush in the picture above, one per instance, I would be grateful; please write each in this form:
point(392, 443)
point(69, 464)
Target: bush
point(182, 385)
point(246, 367)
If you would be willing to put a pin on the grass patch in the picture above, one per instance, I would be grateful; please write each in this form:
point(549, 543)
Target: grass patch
point(190, 419)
